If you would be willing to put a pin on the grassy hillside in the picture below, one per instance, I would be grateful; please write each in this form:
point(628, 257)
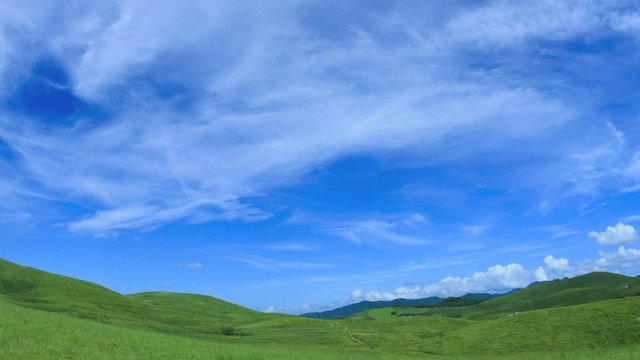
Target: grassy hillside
point(41, 290)
point(613, 322)
point(44, 315)
point(32, 334)
point(582, 289)
point(173, 307)
point(168, 312)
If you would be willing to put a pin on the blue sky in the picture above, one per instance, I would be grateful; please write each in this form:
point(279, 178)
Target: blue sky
point(299, 155)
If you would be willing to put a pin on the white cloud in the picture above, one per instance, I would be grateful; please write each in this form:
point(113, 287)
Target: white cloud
point(475, 229)
point(416, 219)
point(632, 170)
point(501, 23)
point(556, 264)
point(500, 278)
point(288, 246)
point(270, 310)
point(629, 22)
point(631, 218)
point(270, 102)
point(5, 52)
point(566, 233)
point(264, 263)
point(357, 294)
point(373, 231)
point(398, 229)
point(496, 279)
point(620, 260)
point(15, 217)
point(613, 235)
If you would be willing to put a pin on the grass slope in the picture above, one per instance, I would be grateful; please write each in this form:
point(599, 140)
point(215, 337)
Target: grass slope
point(44, 315)
point(32, 334)
point(174, 307)
point(582, 289)
point(186, 314)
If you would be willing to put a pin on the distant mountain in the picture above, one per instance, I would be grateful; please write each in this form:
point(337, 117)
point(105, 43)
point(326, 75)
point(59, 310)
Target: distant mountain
point(346, 311)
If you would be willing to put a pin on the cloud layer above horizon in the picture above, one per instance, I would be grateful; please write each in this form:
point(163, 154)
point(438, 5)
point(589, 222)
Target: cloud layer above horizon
point(226, 111)
point(464, 123)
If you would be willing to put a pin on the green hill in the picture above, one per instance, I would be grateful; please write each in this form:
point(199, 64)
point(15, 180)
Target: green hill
point(615, 322)
point(167, 312)
point(45, 291)
point(33, 334)
point(47, 316)
point(582, 289)
point(197, 306)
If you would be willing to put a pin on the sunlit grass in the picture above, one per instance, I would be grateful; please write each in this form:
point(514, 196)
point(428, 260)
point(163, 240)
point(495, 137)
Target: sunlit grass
point(47, 316)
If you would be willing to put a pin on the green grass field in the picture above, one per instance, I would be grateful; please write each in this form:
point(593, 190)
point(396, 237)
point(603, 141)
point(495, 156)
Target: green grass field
point(47, 316)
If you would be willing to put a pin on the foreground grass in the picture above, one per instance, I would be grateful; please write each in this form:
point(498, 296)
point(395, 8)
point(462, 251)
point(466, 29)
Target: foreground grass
point(32, 334)
point(48, 316)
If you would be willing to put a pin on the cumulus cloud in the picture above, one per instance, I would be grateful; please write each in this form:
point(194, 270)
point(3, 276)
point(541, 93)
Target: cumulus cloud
point(556, 264)
point(620, 260)
point(496, 279)
point(501, 278)
point(613, 235)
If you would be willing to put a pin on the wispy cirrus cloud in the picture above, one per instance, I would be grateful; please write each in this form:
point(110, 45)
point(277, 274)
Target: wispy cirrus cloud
point(289, 246)
point(399, 229)
point(190, 125)
point(266, 263)
point(631, 218)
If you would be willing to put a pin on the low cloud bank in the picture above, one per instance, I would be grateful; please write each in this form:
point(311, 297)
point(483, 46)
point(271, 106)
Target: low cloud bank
point(501, 278)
